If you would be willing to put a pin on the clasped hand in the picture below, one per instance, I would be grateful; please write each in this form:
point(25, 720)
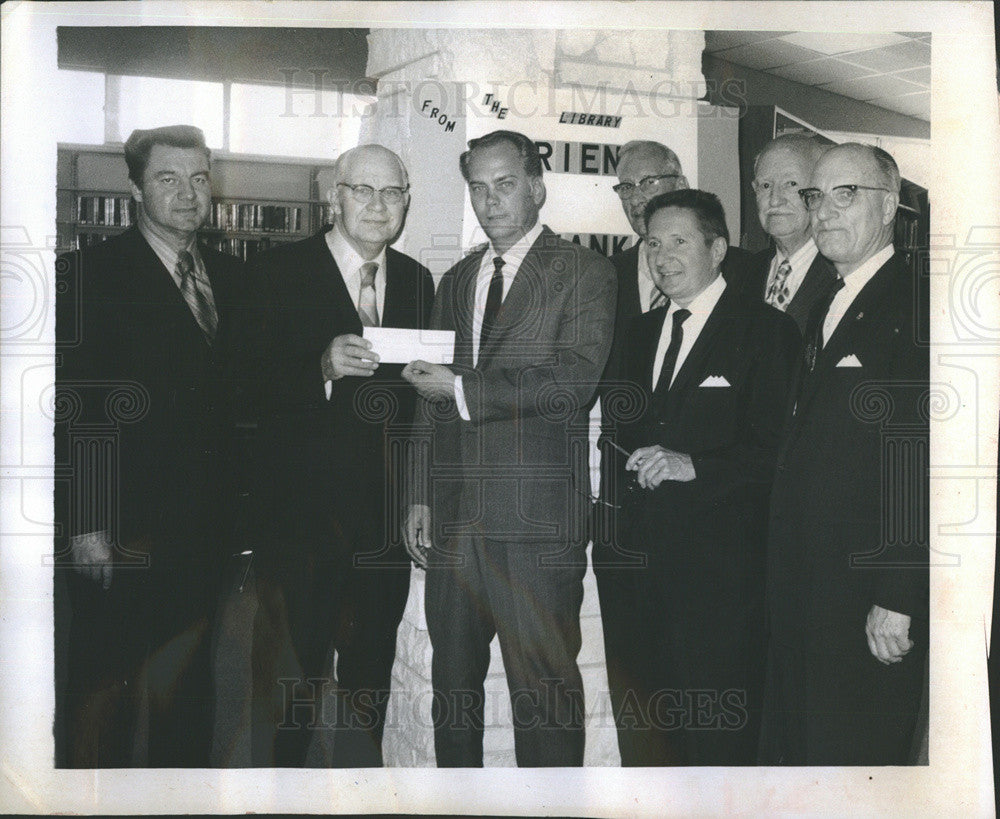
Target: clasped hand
point(655, 464)
point(430, 380)
point(348, 355)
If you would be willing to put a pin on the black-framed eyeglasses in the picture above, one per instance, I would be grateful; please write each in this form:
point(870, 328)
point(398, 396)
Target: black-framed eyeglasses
point(391, 195)
point(842, 196)
point(646, 184)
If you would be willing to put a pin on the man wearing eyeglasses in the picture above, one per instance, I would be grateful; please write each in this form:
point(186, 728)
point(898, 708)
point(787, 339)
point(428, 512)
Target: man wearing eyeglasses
point(328, 569)
point(847, 546)
point(792, 275)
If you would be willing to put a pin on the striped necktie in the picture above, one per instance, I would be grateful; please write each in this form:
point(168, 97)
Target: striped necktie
point(197, 294)
point(367, 305)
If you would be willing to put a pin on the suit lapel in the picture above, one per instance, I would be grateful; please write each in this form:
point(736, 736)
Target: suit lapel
point(703, 345)
point(865, 304)
point(816, 280)
point(464, 301)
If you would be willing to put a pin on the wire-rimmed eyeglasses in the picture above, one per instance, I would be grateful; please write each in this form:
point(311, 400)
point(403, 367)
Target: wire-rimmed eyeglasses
point(842, 196)
point(391, 195)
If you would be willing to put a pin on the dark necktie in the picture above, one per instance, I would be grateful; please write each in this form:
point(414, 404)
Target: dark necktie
point(670, 356)
point(494, 297)
point(814, 328)
point(367, 304)
point(197, 299)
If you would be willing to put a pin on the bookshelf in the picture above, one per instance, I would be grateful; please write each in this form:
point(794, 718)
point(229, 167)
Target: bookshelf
point(762, 123)
point(256, 203)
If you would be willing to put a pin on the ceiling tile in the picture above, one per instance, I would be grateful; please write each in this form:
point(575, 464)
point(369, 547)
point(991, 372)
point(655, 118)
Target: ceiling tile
point(914, 105)
point(911, 54)
point(921, 75)
point(835, 42)
point(768, 54)
point(719, 40)
point(869, 88)
point(817, 72)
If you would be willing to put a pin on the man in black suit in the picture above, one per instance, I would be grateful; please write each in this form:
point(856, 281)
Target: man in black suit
point(333, 573)
point(713, 367)
point(645, 169)
point(144, 423)
point(497, 513)
point(792, 275)
point(848, 540)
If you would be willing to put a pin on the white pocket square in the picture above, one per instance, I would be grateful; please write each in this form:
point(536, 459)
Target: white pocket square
point(849, 361)
point(715, 381)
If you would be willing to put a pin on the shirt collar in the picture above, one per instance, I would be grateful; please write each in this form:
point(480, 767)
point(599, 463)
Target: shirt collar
point(347, 258)
point(515, 254)
point(168, 254)
point(704, 303)
point(801, 258)
point(863, 273)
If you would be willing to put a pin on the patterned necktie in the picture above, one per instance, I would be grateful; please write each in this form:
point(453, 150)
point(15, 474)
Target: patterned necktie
point(367, 305)
point(494, 296)
point(198, 300)
point(670, 356)
point(657, 298)
point(814, 328)
point(777, 293)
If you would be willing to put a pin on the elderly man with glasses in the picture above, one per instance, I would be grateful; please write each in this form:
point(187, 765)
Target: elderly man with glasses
point(848, 531)
point(329, 568)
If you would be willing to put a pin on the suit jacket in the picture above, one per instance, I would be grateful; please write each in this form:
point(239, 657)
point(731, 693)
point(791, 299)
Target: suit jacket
point(136, 367)
point(704, 538)
point(511, 472)
point(849, 513)
point(327, 459)
point(626, 264)
point(816, 280)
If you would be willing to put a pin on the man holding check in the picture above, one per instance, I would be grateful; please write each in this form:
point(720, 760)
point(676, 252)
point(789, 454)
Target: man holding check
point(497, 515)
point(329, 570)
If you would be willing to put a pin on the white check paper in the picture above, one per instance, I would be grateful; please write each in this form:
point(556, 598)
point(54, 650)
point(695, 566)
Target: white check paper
point(398, 346)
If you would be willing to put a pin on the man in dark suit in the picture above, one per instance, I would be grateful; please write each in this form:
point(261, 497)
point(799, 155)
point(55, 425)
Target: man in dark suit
point(645, 169)
point(792, 275)
point(713, 367)
point(144, 425)
point(499, 509)
point(848, 540)
point(333, 573)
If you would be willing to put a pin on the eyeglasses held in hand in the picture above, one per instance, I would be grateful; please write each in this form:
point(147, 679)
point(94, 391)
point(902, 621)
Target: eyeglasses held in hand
point(646, 184)
point(363, 193)
point(842, 196)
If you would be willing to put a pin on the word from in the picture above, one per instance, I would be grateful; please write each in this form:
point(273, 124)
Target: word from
point(436, 113)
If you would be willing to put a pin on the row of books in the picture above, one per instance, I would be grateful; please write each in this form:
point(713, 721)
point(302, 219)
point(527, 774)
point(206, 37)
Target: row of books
point(115, 211)
point(263, 218)
point(111, 211)
point(244, 248)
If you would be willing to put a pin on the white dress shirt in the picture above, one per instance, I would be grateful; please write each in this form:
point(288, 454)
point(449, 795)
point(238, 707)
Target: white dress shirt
point(349, 263)
point(854, 282)
point(701, 308)
point(801, 260)
point(512, 257)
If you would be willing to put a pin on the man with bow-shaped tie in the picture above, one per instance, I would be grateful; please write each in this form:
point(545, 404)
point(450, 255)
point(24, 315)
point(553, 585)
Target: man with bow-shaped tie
point(694, 471)
point(847, 547)
point(497, 515)
point(150, 336)
point(333, 572)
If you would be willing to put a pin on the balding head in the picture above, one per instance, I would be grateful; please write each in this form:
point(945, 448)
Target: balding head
point(857, 193)
point(369, 220)
point(653, 161)
point(782, 168)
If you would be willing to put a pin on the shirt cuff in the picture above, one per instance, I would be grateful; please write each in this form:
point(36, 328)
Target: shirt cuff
point(328, 388)
point(463, 409)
